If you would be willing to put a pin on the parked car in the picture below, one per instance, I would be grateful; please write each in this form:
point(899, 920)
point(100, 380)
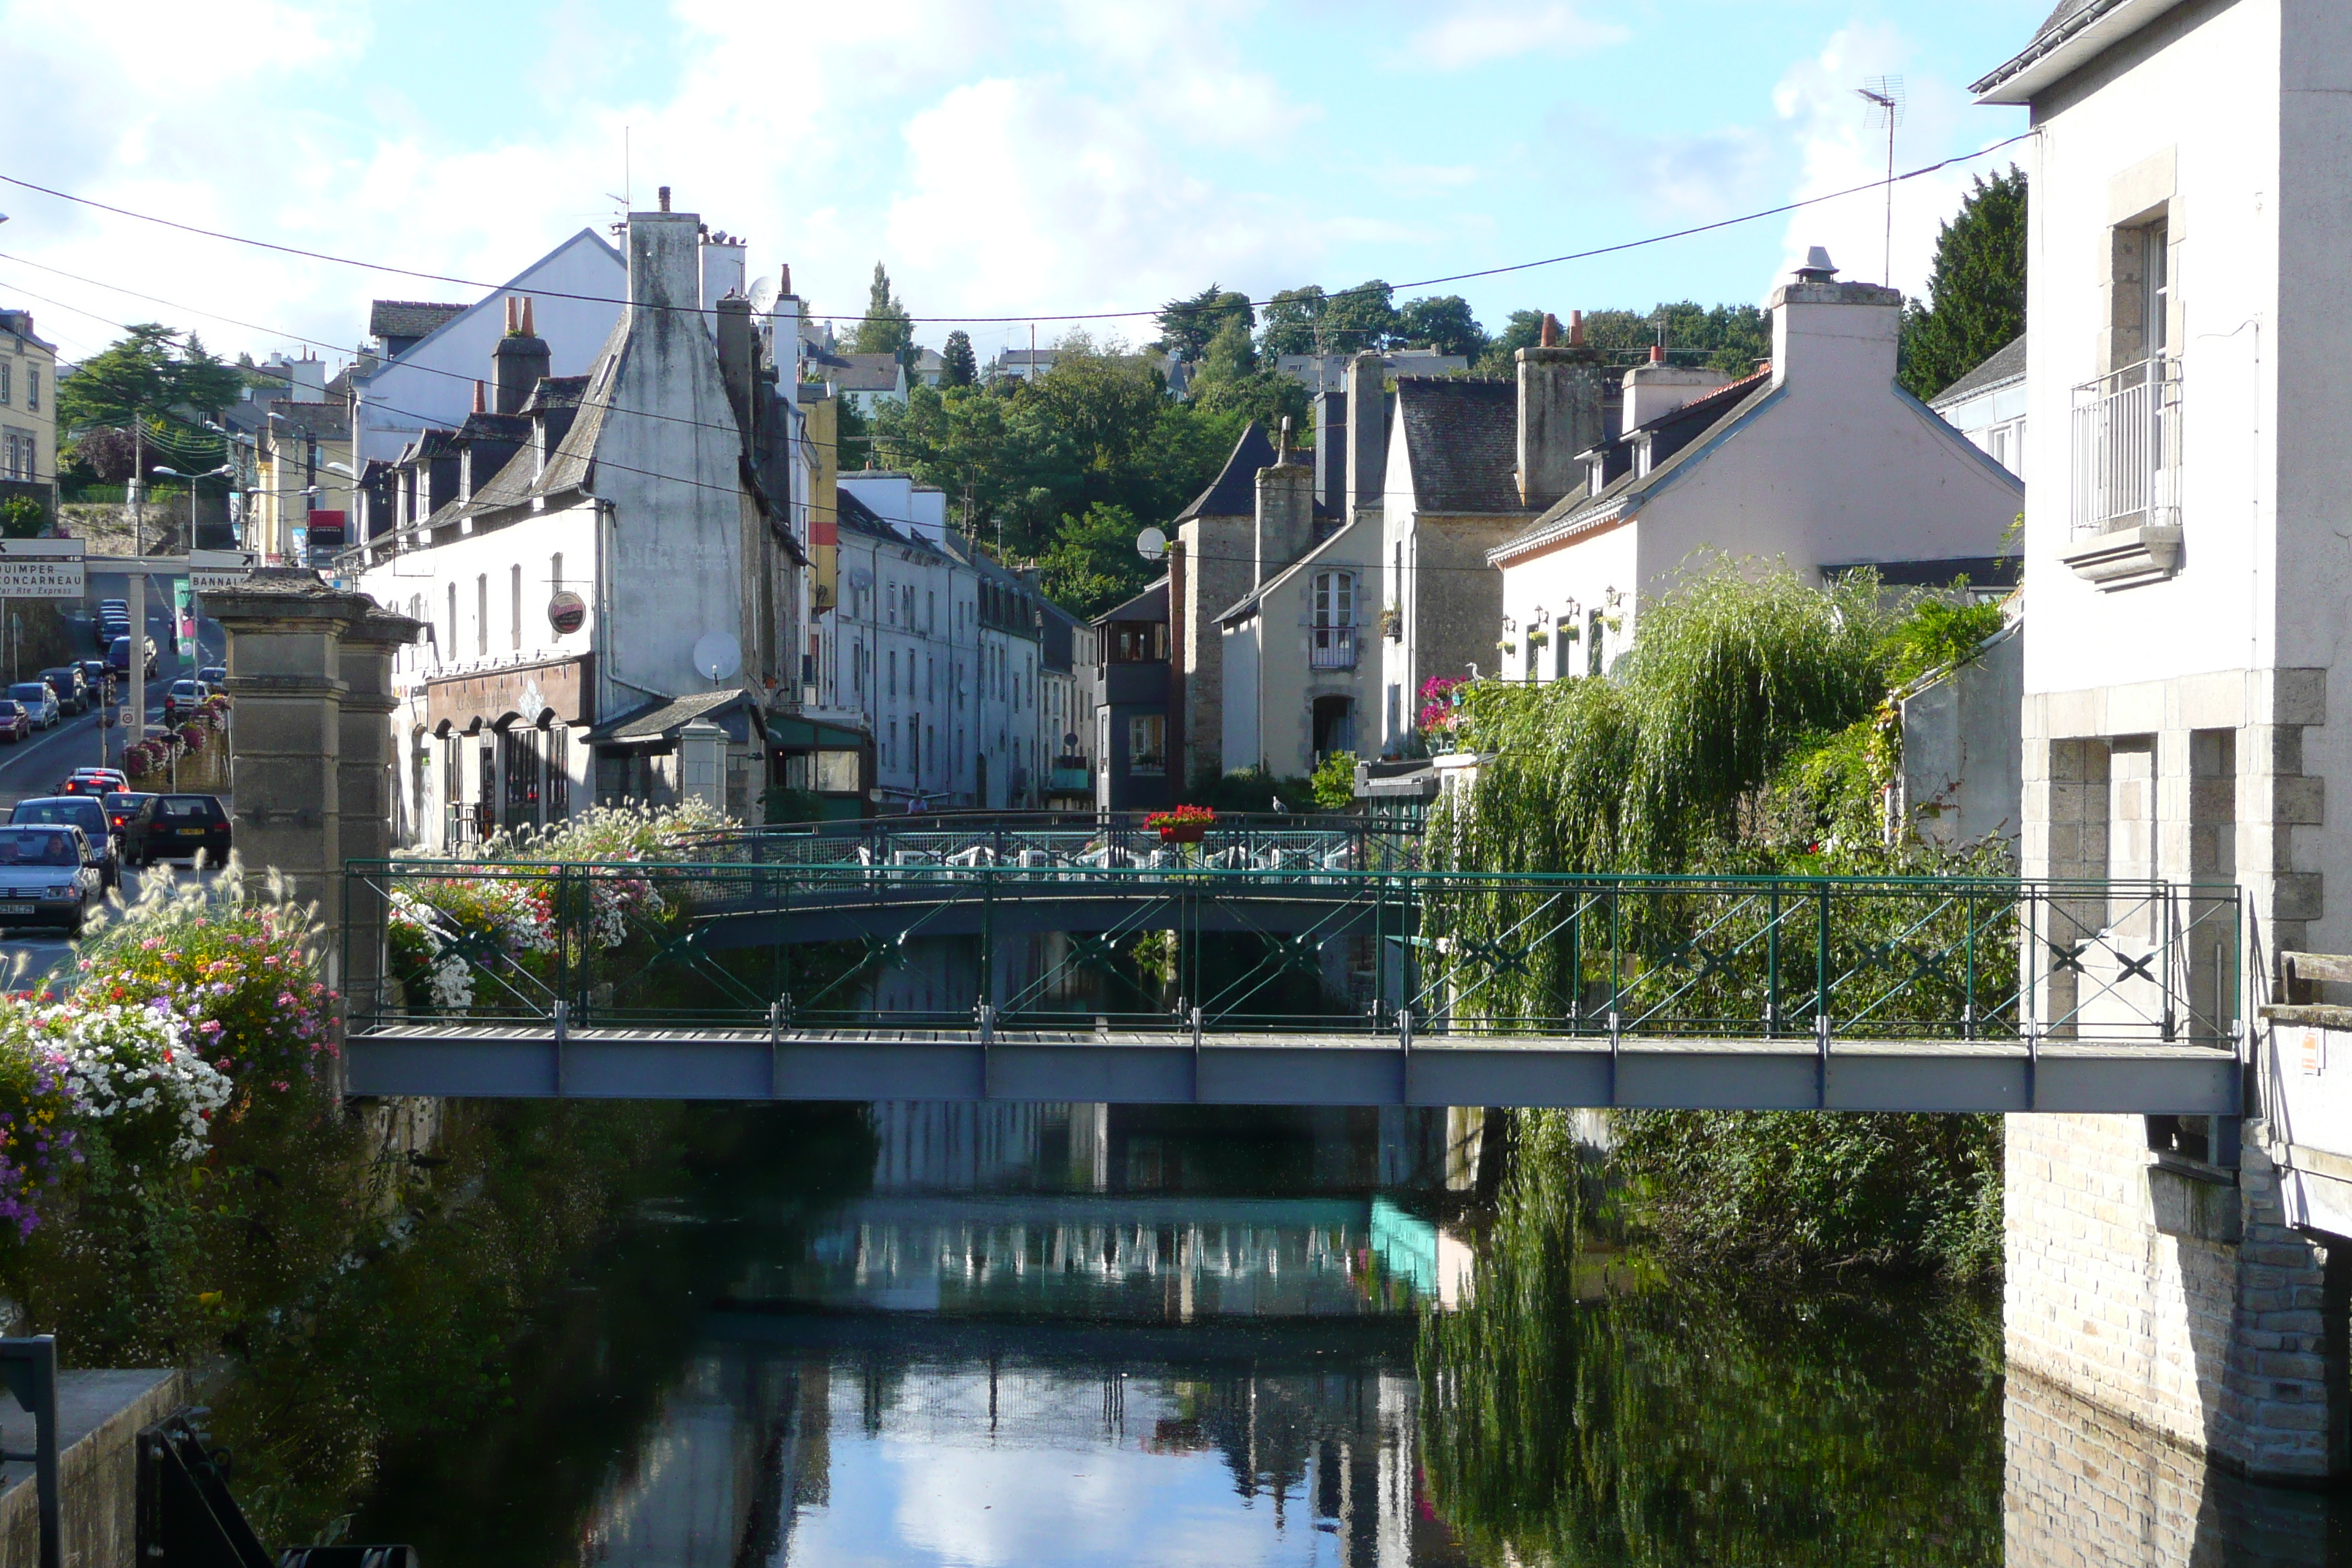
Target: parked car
point(118, 656)
point(176, 827)
point(93, 670)
point(94, 781)
point(184, 698)
point(212, 675)
point(109, 627)
point(16, 723)
point(45, 878)
point(38, 700)
point(85, 812)
point(73, 691)
point(121, 805)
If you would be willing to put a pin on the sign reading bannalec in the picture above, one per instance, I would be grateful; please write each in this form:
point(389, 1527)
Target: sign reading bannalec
point(41, 568)
point(214, 571)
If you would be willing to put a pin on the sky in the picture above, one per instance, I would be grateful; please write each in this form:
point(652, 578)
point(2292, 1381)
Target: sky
point(1025, 160)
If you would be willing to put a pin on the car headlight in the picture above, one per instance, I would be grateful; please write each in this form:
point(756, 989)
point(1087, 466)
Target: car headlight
point(62, 890)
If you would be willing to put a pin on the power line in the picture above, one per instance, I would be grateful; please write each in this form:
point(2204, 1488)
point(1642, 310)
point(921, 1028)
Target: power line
point(1617, 248)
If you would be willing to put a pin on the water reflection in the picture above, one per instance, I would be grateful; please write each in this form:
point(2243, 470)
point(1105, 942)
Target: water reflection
point(1079, 1335)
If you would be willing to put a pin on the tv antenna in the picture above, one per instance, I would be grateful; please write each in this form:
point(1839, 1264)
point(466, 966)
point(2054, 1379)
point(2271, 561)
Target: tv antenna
point(1885, 96)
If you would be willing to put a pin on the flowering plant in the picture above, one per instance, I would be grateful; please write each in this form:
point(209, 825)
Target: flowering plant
point(1181, 817)
point(132, 1068)
point(36, 1134)
point(1442, 714)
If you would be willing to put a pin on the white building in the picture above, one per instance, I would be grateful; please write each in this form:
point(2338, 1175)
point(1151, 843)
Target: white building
point(432, 353)
point(1821, 463)
point(1987, 404)
point(2190, 234)
point(601, 560)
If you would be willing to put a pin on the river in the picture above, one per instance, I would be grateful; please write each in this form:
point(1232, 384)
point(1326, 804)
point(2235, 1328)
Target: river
point(1053, 1335)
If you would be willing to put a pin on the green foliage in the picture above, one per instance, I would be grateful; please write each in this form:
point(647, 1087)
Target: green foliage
point(1232, 384)
point(1306, 320)
point(145, 374)
point(887, 327)
point(1524, 330)
point(855, 436)
point(1253, 788)
point(1094, 565)
point(1335, 783)
point(1188, 326)
point(22, 517)
point(1442, 323)
point(1565, 1425)
point(1785, 1191)
point(1975, 293)
point(1939, 633)
point(958, 366)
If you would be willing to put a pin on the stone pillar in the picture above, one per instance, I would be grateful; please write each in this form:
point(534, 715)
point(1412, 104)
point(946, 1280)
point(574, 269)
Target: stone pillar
point(702, 764)
point(365, 786)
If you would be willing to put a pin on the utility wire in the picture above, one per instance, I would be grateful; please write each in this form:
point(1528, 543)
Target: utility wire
point(1061, 316)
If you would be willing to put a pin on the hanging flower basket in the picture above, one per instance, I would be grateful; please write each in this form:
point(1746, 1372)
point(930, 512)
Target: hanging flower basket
point(1185, 824)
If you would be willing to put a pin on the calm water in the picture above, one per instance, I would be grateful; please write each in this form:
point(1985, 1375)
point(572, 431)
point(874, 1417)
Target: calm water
point(1051, 1335)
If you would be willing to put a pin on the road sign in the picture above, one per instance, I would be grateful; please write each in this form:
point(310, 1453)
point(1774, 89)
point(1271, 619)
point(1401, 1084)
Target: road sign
point(41, 569)
point(213, 570)
point(128, 718)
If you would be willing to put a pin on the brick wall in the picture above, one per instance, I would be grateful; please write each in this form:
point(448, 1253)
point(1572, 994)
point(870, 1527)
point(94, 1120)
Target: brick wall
point(2122, 1289)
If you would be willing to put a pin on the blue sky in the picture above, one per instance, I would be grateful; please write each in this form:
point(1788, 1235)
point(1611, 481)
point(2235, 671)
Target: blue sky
point(1001, 160)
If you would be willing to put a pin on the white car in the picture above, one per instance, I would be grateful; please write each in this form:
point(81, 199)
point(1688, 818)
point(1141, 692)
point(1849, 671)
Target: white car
point(46, 878)
point(39, 701)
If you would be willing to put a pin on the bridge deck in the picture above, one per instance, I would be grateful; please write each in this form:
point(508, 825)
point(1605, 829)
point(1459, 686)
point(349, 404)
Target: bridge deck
point(526, 1060)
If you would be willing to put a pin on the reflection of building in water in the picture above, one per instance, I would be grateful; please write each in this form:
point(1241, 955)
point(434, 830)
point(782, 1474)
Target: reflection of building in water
point(923, 1145)
point(2086, 1489)
point(686, 1490)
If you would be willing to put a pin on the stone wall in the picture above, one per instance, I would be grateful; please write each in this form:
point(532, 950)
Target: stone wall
point(99, 1417)
point(2185, 1306)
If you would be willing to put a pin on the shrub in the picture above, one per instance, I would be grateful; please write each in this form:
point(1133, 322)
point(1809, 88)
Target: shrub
point(1335, 781)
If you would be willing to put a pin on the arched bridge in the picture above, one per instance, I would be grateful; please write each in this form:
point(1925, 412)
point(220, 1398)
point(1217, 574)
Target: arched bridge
point(1283, 964)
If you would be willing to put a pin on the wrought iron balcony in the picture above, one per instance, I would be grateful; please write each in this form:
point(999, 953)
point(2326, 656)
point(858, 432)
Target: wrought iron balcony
point(2127, 448)
point(1333, 647)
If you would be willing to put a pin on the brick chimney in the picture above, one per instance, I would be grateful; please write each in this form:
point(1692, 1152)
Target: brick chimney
point(1368, 433)
point(518, 359)
point(1561, 396)
point(1837, 332)
point(1285, 511)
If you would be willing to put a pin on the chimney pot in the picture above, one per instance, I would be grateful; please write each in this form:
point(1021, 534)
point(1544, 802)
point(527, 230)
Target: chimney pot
point(481, 398)
point(528, 330)
point(785, 291)
point(1548, 335)
point(1575, 329)
point(1657, 353)
point(664, 195)
point(510, 313)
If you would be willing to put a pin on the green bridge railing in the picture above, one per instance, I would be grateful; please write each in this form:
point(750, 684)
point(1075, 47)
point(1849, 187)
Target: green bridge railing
point(1292, 943)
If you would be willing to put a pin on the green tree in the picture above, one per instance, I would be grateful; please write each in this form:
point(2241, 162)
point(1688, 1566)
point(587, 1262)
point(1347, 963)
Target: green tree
point(1442, 323)
point(1360, 318)
point(885, 328)
point(961, 366)
point(1290, 321)
point(1093, 563)
point(1188, 326)
point(1975, 293)
point(1524, 330)
point(1232, 381)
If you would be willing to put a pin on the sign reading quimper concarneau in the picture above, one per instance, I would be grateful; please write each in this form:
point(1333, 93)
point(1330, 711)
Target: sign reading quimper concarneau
point(41, 568)
point(212, 571)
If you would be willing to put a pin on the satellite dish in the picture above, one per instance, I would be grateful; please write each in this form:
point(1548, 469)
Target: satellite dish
point(717, 655)
point(763, 295)
point(1151, 544)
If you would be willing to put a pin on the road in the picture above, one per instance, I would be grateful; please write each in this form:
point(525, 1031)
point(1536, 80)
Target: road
point(36, 764)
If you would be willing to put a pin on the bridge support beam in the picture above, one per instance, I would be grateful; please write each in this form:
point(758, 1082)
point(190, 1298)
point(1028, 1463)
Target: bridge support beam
point(2180, 1301)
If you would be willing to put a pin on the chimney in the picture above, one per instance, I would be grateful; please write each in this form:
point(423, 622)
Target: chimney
point(664, 194)
point(739, 357)
point(722, 269)
point(1331, 452)
point(528, 330)
point(518, 359)
point(481, 404)
point(1285, 511)
point(664, 276)
point(1368, 433)
point(784, 338)
point(1560, 413)
point(1845, 332)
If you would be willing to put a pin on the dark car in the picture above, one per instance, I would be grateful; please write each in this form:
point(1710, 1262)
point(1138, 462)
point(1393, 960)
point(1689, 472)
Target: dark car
point(15, 720)
point(109, 627)
point(83, 811)
point(45, 878)
point(73, 691)
point(121, 805)
point(176, 827)
point(118, 656)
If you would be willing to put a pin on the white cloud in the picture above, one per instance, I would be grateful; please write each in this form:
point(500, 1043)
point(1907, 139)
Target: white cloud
point(1477, 34)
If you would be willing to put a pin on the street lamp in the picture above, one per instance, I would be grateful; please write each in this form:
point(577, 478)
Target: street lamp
point(223, 471)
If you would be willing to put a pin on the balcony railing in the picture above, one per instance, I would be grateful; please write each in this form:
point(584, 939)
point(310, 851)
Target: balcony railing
point(1333, 647)
point(2127, 448)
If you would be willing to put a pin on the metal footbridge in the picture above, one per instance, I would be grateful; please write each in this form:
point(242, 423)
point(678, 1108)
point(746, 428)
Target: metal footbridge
point(1280, 963)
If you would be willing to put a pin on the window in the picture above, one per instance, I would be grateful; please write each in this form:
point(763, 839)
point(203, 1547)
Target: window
point(516, 617)
point(32, 386)
point(892, 689)
point(559, 773)
point(6, 367)
point(1563, 638)
point(1147, 744)
point(450, 643)
point(482, 614)
point(1535, 654)
point(930, 612)
point(1593, 634)
point(1332, 644)
point(1396, 710)
point(2156, 267)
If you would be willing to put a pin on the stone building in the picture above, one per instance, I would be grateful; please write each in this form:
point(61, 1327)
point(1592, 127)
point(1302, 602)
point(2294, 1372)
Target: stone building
point(28, 414)
point(2191, 238)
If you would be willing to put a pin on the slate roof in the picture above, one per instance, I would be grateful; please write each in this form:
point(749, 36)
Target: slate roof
point(1678, 440)
point(1151, 605)
point(2006, 363)
point(655, 719)
point(327, 421)
point(1461, 440)
point(568, 465)
point(1233, 492)
point(555, 392)
point(410, 318)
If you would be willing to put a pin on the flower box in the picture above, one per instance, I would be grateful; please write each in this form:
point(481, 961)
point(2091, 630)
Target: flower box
point(1183, 832)
point(1185, 824)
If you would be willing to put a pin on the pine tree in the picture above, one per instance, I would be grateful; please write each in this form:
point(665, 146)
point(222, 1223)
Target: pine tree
point(959, 365)
point(1976, 294)
point(885, 328)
